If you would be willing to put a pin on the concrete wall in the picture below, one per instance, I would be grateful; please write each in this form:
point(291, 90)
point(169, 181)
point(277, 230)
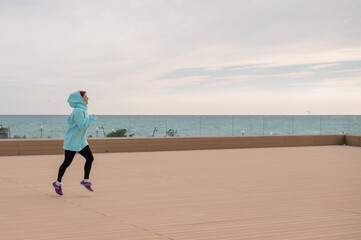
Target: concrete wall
point(54, 146)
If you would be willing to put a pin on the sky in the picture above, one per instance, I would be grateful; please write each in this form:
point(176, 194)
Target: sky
point(180, 57)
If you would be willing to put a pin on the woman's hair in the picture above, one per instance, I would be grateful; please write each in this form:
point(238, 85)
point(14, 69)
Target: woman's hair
point(82, 93)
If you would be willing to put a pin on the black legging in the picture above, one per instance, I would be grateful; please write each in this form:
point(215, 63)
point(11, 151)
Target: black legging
point(69, 156)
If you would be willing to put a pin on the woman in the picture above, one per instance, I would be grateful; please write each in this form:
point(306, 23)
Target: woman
point(75, 141)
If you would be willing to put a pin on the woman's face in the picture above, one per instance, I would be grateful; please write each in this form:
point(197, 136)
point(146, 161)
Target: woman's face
point(85, 97)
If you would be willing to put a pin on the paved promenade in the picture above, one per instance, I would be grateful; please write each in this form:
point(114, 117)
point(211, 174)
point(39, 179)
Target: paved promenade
point(289, 193)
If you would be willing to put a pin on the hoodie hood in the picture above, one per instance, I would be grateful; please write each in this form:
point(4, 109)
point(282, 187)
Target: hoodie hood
point(75, 100)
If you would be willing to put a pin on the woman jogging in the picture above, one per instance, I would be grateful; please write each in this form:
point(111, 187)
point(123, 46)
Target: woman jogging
point(75, 141)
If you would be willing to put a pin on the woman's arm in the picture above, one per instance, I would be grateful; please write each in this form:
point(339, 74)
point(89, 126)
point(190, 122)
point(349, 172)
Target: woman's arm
point(82, 121)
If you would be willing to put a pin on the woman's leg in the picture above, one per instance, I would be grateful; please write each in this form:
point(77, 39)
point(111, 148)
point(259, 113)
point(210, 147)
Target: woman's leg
point(69, 156)
point(88, 155)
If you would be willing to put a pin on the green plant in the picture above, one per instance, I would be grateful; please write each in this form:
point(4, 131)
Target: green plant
point(19, 137)
point(119, 133)
point(3, 135)
point(172, 133)
point(4, 132)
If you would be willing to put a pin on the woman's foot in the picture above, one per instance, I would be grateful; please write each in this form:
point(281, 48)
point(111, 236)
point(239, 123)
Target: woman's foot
point(87, 185)
point(58, 189)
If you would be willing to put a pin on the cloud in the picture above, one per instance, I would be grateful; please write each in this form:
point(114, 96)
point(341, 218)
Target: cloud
point(182, 81)
point(347, 71)
point(119, 50)
point(325, 66)
point(341, 82)
point(230, 80)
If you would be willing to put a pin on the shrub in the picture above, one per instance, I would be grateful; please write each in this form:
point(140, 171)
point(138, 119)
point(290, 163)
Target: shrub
point(120, 133)
point(172, 133)
point(19, 137)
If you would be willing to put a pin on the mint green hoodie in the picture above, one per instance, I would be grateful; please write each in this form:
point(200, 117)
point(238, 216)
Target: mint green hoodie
point(78, 122)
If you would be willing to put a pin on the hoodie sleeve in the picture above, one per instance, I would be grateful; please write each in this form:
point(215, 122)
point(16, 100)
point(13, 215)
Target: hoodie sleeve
point(81, 120)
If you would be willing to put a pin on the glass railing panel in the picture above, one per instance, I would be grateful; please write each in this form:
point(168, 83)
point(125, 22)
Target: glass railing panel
point(247, 125)
point(183, 126)
point(216, 126)
point(334, 124)
point(307, 125)
point(32, 127)
point(277, 125)
point(107, 124)
point(354, 125)
point(147, 126)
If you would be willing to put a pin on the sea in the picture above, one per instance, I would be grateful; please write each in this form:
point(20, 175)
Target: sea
point(55, 126)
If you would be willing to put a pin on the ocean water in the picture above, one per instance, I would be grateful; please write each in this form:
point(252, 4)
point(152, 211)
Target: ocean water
point(55, 126)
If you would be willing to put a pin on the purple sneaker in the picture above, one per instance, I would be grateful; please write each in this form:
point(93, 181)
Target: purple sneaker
point(87, 185)
point(58, 189)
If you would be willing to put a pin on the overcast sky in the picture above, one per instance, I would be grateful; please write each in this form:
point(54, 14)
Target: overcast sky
point(181, 57)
